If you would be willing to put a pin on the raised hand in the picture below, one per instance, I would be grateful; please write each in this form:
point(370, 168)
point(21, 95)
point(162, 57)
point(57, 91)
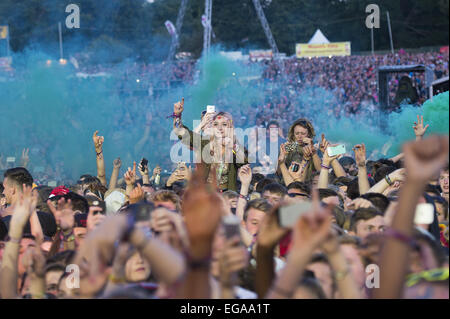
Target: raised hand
point(359, 203)
point(25, 157)
point(95, 218)
point(313, 227)
point(323, 144)
point(130, 175)
point(178, 107)
point(117, 163)
point(98, 142)
point(202, 209)
point(22, 209)
point(307, 141)
point(327, 159)
point(34, 262)
point(245, 174)
point(137, 194)
point(398, 175)
point(143, 170)
point(63, 213)
point(308, 151)
point(232, 258)
point(424, 159)
point(298, 174)
point(360, 154)
point(270, 232)
point(283, 153)
point(419, 129)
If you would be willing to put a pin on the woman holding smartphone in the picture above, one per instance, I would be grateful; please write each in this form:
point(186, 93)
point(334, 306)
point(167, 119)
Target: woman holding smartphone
point(299, 153)
point(219, 151)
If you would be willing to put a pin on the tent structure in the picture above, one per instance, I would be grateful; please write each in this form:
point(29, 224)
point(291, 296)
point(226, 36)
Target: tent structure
point(318, 38)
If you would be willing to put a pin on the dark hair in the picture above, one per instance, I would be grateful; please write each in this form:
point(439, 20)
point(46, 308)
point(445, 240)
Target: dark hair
point(19, 176)
point(340, 216)
point(381, 172)
point(303, 123)
point(378, 200)
point(78, 202)
point(43, 194)
point(346, 160)
point(327, 192)
point(259, 204)
point(55, 267)
point(273, 122)
point(344, 180)
point(257, 177)
point(62, 258)
point(432, 189)
point(262, 183)
point(313, 286)
point(304, 187)
point(363, 214)
point(275, 188)
point(353, 189)
point(441, 200)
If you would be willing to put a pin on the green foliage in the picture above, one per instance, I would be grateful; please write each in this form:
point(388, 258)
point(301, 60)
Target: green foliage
point(139, 25)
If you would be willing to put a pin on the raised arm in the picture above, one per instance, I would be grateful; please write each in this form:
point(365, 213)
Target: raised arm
point(130, 179)
point(419, 129)
point(115, 173)
point(396, 176)
point(324, 170)
point(25, 159)
point(309, 232)
point(423, 160)
point(269, 235)
point(9, 266)
point(360, 157)
point(98, 144)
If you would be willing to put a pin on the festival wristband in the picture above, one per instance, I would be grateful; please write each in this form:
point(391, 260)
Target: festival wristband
point(388, 180)
point(247, 198)
point(401, 237)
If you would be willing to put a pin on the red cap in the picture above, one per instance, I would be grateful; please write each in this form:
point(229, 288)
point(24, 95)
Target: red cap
point(60, 190)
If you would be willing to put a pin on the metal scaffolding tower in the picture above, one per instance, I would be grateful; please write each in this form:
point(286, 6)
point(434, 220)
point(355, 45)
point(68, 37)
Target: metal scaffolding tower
point(265, 26)
point(176, 37)
point(208, 27)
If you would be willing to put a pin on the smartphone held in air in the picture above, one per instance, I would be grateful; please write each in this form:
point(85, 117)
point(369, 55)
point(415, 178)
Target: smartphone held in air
point(210, 108)
point(288, 215)
point(231, 224)
point(144, 163)
point(336, 150)
point(424, 214)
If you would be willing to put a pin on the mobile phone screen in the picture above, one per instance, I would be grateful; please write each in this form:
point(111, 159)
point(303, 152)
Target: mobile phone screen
point(288, 215)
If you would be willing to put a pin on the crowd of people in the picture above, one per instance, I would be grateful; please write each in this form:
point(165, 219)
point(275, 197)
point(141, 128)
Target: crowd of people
point(321, 225)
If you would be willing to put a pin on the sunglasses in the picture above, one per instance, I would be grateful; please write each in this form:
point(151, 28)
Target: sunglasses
point(438, 274)
point(298, 195)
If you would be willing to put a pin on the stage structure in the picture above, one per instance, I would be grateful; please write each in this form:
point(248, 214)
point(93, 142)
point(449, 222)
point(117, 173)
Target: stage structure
point(383, 80)
point(207, 24)
point(176, 37)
